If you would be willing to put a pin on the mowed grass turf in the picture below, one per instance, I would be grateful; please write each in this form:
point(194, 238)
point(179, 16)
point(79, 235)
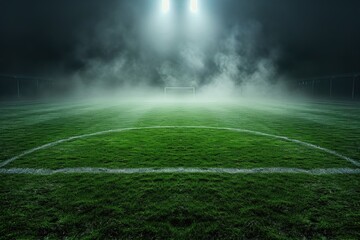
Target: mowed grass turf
point(171, 148)
point(179, 205)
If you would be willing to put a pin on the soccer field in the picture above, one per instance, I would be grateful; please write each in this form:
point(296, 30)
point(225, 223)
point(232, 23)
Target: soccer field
point(180, 170)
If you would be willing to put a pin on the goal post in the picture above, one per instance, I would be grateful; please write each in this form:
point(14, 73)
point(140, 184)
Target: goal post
point(179, 92)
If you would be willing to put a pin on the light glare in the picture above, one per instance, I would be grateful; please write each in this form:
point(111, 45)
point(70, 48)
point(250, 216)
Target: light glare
point(194, 6)
point(165, 6)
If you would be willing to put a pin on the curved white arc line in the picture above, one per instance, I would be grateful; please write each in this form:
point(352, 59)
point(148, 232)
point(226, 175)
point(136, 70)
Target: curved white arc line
point(32, 171)
point(48, 145)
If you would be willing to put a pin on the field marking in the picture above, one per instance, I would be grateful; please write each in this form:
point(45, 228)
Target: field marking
point(309, 145)
point(32, 171)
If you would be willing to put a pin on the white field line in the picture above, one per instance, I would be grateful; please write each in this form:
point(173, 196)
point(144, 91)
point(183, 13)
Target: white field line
point(309, 145)
point(32, 171)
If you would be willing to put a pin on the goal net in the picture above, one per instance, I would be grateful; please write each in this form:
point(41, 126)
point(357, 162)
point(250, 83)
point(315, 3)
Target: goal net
point(179, 92)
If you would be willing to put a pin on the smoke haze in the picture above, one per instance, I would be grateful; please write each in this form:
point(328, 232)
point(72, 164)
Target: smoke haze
point(179, 50)
point(228, 47)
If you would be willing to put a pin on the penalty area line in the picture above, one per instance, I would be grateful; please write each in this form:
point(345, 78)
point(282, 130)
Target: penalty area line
point(40, 171)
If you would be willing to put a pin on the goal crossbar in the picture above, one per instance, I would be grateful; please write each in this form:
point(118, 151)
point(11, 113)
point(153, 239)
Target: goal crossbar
point(191, 90)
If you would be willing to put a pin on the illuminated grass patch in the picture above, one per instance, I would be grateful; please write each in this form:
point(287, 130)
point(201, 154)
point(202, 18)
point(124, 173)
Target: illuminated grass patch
point(172, 148)
point(179, 205)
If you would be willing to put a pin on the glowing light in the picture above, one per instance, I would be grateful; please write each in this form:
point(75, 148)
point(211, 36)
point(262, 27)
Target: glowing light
point(165, 6)
point(194, 6)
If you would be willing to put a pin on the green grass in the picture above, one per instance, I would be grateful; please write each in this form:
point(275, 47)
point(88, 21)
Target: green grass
point(155, 148)
point(180, 206)
point(263, 206)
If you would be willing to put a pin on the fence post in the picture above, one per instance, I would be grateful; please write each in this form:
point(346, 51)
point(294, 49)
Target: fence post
point(331, 86)
point(353, 88)
point(18, 86)
point(313, 87)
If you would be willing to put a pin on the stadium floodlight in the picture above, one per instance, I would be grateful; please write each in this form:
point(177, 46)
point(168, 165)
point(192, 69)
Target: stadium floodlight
point(194, 6)
point(171, 92)
point(165, 6)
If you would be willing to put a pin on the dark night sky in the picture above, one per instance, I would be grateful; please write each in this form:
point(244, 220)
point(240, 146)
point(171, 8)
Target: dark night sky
point(313, 37)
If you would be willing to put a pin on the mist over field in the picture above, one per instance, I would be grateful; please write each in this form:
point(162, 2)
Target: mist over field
point(177, 49)
point(224, 49)
point(179, 119)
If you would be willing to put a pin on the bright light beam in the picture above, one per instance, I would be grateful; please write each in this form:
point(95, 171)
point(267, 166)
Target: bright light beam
point(165, 6)
point(194, 6)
